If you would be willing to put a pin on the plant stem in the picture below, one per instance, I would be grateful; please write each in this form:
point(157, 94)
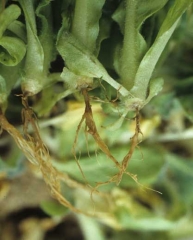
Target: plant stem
point(79, 26)
point(34, 76)
point(129, 50)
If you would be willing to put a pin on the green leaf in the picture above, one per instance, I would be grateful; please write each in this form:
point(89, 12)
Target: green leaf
point(166, 100)
point(85, 25)
point(18, 28)
point(183, 89)
point(34, 76)
point(144, 166)
point(175, 12)
point(53, 208)
point(91, 228)
point(150, 59)
point(8, 81)
point(145, 9)
point(116, 125)
point(13, 163)
point(80, 61)
point(12, 50)
point(130, 17)
point(147, 224)
point(73, 81)
point(46, 36)
point(146, 163)
point(104, 33)
point(49, 98)
point(155, 87)
point(66, 15)
point(131, 44)
point(182, 176)
point(3, 94)
point(3, 88)
point(9, 14)
point(10, 170)
point(180, 164)
point(78, 58)
point(186, 102)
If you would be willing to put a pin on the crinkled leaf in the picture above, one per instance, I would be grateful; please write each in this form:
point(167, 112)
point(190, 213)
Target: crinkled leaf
point(12, 50)
point(9, 14)
point(18, 28)
point(150, 59)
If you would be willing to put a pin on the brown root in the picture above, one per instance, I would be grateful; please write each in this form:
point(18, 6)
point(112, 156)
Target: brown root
point(74, 148)
point(90, 127)
point(92, 130)
point(134, 143)
point(37, 153)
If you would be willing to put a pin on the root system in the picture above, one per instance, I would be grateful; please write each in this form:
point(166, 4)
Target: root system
point(35, 151)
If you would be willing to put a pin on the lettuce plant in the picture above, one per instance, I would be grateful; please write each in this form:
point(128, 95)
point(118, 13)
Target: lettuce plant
point(109, 51)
